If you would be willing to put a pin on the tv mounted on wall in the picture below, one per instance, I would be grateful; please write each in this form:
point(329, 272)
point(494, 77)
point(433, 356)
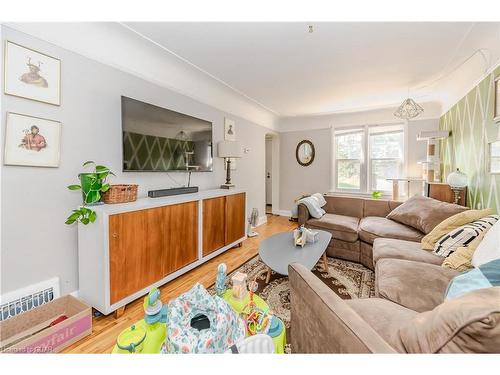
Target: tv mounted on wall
point(157, 139)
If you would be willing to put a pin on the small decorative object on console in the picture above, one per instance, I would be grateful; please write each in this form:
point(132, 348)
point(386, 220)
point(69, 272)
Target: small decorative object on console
point(120, 194)
point(239, 281)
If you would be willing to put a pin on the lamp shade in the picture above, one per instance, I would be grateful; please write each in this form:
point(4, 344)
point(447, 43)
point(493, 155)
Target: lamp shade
point(457, 179)
point(229, 149)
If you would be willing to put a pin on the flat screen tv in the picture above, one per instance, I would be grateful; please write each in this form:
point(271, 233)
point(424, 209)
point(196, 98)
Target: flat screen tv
point(157, 139)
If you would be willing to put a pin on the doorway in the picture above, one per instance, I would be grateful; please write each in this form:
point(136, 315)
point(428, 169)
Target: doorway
point(269, 174)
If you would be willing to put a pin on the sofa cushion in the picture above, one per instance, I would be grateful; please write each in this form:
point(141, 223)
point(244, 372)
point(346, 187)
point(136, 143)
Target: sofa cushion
point(372, 227)
point(469, 324)
point(385, 317)
point(347, 206)
point(453, 222)
point(342, 227)
point(463, 236)
point(401, 249)
point(415, 285)
point(378, 207)
point(423, 213)
point(461, 259)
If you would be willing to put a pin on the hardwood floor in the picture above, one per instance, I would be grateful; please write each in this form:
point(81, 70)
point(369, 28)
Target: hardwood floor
point(106, 328)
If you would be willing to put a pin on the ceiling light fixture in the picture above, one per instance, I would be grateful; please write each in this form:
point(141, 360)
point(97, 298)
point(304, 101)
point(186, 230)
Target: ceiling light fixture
point(408, 109)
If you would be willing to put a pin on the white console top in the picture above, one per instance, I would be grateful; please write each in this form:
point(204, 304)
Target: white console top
point(145, 203)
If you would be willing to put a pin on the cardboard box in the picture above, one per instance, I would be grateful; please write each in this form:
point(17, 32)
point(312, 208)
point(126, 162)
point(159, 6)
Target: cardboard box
point(30, 332)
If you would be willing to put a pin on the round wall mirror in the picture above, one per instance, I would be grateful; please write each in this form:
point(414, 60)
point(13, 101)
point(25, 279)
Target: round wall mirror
point(305, 153)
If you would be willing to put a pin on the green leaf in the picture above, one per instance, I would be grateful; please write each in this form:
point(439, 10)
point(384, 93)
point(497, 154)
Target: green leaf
point(85, 221)
point(88, 162)
point(69, 221)
point(74, 187)
point(105, 188)
point(101, 168)
point(92, 216)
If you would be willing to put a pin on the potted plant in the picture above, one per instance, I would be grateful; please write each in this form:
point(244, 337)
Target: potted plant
point(92, 184)
point(376, 194)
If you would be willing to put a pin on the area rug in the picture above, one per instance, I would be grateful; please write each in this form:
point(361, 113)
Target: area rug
point(347, 279)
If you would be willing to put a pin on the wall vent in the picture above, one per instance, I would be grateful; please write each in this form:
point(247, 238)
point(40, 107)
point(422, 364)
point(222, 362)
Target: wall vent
point(25, 299)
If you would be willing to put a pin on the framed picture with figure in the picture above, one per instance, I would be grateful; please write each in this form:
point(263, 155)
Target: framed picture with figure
point(229, 129)
point(32, 141)
point(32, 75)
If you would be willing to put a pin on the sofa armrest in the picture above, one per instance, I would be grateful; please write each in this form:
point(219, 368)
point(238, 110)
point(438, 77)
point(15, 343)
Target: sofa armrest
point(303, 214)
point(321, 322)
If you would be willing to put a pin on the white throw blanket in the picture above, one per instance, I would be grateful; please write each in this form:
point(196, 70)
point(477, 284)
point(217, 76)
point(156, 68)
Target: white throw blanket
point(314, 204)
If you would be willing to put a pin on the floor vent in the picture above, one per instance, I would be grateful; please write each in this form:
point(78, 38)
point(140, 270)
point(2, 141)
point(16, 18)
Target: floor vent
point(25, 299)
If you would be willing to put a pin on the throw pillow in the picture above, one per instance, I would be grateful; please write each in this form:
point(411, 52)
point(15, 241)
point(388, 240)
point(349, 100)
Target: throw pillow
point(468, 324)
point(313, 207)
point(424, 213)
point(461, 259)
point(489, 248)
point(453, 222)
point(463, 235)
point(484, 276)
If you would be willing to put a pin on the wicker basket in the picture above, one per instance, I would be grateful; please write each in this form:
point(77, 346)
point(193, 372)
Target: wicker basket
point(120, 194)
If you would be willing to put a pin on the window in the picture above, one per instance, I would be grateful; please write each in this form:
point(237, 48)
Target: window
point(366, 156)
point(349, 160)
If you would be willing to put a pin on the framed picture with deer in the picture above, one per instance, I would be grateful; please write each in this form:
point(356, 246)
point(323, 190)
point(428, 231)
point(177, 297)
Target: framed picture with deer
point(32, 75)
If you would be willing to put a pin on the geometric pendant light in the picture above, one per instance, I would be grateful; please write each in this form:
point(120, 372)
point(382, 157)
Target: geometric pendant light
point(408, 110)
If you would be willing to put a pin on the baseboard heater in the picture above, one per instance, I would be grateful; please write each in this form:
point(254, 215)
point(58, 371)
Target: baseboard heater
point(173, 191)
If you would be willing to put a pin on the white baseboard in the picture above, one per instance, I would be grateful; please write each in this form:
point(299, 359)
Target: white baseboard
point(74, 293)
point(262, 220)
point(287, 213)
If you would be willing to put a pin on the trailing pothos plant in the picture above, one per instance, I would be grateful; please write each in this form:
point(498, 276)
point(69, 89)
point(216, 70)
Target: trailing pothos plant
point(92, 184)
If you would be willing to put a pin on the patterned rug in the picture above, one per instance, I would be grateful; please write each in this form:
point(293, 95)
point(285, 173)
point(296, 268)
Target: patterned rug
point(347, 279)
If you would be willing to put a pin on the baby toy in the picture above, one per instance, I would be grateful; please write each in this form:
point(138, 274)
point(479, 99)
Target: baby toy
point(239, 281)
point(154, 311)
point(256, 320)
point(220, 281)
point(148, 334)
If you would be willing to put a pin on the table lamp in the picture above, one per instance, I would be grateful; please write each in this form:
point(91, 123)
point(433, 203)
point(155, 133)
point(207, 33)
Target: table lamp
point(457, 181)
point(228, 150)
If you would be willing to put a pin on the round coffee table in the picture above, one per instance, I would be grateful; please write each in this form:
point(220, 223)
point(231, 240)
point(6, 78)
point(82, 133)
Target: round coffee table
point(279, 250)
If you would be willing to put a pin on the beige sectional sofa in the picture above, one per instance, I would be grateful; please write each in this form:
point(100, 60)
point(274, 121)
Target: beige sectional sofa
point(355, 223)
point(408, 315)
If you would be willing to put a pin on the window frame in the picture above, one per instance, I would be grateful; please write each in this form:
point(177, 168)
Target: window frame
point(365, 161)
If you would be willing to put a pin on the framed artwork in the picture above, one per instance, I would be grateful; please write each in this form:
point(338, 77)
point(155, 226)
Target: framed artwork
point(32, 141)
point(229, 129)
point(32, 75)
point(496, 108)
point(494, 157)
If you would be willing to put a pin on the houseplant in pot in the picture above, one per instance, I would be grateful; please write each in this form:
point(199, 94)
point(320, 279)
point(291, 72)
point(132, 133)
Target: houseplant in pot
point(92, 184)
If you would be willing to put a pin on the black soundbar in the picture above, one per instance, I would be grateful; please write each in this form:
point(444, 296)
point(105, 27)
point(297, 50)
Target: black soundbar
point(173, 191)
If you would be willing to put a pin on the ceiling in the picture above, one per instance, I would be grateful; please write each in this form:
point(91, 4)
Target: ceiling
point(338, 67)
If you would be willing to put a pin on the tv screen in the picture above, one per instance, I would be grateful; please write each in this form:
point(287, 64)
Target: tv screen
point(157, 139)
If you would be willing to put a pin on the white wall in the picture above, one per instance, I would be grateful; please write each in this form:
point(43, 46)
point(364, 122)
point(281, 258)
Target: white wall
point(36, 244)
point(297, 180)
